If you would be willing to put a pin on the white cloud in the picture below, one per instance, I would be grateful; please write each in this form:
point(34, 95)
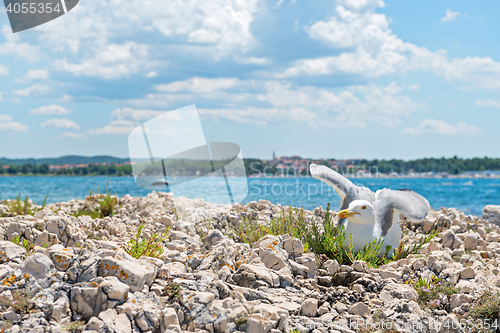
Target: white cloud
point(111, 62)
point(73, 135)
point(134, 114)
point(355, 106)
point(369, 49)
point(222, 26)
point(113, 129)
point(33, 91)
point(434, 126)
point(450, 16)
point(414, 87)
point(14, 47)
point(37, 74)
point(151, 74)
point(252, 60)
point(4, 70)
point(488, 103)
point(6, 124)
point(199, 85)
point(261, 116)
point(51, 109)
point(60, 123)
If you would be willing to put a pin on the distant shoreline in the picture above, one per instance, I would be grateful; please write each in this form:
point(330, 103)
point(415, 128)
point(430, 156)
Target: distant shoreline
point(470, 177)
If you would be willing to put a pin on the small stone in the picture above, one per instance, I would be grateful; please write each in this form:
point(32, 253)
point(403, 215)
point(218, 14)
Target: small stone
point(310, 307)
point(448, 238)
point(491, 213)
point(359, 309)
point(468, 273)
point(331, 266)
point(360, 266)
point(122, 324)
point(292, 245)
point(471, 241)
point(39, 266)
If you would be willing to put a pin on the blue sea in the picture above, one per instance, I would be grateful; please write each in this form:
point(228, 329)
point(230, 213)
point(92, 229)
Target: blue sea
point(468, 195)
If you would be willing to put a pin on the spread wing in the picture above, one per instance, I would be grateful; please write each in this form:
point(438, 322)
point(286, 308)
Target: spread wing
point(407, 202)
point(343, 186)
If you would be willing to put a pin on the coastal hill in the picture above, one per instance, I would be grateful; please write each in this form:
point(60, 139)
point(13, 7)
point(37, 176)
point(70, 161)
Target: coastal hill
point(278, 166)
point(70, 159)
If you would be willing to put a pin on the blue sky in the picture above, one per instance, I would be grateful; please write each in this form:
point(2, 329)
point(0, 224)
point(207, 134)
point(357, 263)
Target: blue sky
point(340, 79)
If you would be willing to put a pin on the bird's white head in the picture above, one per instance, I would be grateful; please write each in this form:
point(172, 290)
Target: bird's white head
point(359, 211)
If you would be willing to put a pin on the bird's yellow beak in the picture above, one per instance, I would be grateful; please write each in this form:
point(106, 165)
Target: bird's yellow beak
point(346, 213)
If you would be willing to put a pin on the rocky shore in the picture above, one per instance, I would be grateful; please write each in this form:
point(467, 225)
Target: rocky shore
point(79, 277)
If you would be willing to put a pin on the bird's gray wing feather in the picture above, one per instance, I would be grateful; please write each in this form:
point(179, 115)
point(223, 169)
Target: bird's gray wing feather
point(343, 186)
point(407, 202)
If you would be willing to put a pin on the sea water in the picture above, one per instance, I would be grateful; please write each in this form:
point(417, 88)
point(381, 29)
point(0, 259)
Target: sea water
point(468, 195)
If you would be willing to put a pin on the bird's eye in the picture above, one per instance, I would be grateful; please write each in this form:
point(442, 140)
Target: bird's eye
point(363, 208)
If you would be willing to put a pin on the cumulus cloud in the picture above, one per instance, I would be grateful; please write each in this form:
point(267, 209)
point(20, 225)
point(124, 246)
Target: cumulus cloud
point(280, 102)
point(114, 61)
point(51, 110)
point(369, 49)
point(134, 114)
point(60, 123)
point(6, 124)
point(4, 70)
point(261, 116)
point(114, 128)
point(488, 103)
point(14, 47)
point(450, 16)
point(199, 85)
point(73, 135)
point(33, 91)
point(434, 126)
point(221, 25)
point(37, 74)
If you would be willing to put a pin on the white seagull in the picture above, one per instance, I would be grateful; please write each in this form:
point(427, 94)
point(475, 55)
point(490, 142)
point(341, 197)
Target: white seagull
point(367, 215)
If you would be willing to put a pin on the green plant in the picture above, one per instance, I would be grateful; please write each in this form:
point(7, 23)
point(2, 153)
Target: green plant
point(402, 253)
point(242, 318)
point(107, 203)
point(173, 290)
point(151, 247)
point(430, 290)
point(325, 239)
point(28, 246)
point(249, 231)
point(98, 205)
point(370, 253)
point(485, 309)
point(22, 207)
point(21, 302)
point(15, 239)
point(75, 327)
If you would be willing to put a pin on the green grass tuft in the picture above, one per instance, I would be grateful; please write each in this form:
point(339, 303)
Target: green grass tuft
point(21, 207)
point(152, 247)
point(430, 291)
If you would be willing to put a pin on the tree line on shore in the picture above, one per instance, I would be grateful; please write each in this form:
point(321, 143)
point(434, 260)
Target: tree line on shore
point(256, 166)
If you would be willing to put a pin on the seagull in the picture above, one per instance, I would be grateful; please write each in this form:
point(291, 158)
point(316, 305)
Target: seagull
point(367, 215)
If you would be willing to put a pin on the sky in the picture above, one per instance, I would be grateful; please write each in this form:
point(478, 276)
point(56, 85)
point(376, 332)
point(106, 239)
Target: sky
point(320, 79)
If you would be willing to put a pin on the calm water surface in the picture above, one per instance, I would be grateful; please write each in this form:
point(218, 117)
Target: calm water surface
point(468, 195)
